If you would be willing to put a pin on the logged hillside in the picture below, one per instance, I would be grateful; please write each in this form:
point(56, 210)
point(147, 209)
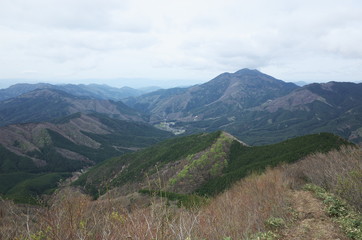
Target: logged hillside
point(47, 104)
point(204, 163)
point(64, 145)
point(331, 107)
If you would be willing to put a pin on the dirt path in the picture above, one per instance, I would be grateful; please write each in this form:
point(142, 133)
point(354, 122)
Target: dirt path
point(312, 223)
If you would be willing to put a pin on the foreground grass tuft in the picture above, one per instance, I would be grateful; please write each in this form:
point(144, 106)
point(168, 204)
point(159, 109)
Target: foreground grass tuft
point(349, 220)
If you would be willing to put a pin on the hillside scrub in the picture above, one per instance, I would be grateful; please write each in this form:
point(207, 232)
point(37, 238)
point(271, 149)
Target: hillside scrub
point(255, 207)
point(348, 219)
point(244, 160)
point(245, 208)
point(338, 171)
point(202, 166)
point(240, 211)
point(205, 164)
point(133, 167)
point(311, 220)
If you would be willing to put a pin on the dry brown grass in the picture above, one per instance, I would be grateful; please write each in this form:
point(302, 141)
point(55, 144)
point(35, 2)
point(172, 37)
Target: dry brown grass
point(339, 172)
point(311, 220)
point(236, 213)
point(244, 208)
point(13, 220)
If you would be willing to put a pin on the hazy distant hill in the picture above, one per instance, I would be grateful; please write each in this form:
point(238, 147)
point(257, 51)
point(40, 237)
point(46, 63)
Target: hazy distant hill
point(96, 91)
point(20, 88)
point(301, 83)
point(46, 104)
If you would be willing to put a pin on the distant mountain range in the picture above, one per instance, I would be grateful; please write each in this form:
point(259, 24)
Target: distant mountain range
point(47, 131)
point(95, 91)
point(258, 108)
point(251, 105)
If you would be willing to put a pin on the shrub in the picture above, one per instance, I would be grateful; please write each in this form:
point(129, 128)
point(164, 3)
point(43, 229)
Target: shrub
point(245, 208)
point(338, 171)
point(349, 220)
point(275, 222)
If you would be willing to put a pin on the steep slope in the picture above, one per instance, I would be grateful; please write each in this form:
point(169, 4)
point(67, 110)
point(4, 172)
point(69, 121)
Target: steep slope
point(245, 160)
point(341, 96)
point(46, 104)
point(130, 171)
point(330, 107)
point(202, 163)
point(31, 150)
point(227, 95)
point(257, 108)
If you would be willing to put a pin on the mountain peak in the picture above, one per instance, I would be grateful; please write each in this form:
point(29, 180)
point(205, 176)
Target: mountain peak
point(241, 72)
point(247, 71)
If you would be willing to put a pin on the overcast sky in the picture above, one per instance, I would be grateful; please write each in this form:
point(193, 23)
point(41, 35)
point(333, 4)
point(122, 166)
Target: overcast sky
point(168, 42)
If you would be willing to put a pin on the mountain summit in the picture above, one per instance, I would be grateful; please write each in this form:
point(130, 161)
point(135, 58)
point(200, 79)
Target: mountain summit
point(226, 94)
point(257, 108)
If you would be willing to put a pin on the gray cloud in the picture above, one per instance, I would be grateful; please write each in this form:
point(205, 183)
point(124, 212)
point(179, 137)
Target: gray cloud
point(94, 39)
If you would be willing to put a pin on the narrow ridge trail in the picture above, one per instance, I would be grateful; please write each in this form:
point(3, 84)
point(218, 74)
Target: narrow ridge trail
point(311, 222)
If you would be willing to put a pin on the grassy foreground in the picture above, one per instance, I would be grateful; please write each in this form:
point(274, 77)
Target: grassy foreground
point(253, 208)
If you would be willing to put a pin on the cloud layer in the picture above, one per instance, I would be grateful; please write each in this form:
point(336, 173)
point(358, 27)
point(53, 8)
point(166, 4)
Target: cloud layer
point(53, 40)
